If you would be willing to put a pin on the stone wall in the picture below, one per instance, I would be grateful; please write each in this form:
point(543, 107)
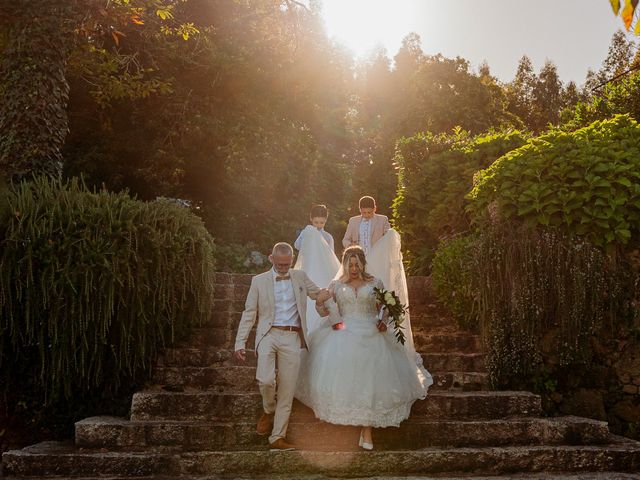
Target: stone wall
point(607, 388)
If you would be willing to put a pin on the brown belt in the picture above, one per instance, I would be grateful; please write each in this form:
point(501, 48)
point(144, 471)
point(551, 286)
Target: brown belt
point(287, 328)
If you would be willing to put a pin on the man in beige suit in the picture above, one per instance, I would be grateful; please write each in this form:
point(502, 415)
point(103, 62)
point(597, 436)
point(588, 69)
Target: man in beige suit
point(278, 300)
point(367, 228)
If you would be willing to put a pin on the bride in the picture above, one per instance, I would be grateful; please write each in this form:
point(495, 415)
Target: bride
point(355, 372)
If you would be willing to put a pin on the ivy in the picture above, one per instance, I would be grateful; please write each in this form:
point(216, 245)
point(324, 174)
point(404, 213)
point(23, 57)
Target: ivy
point(34, 94)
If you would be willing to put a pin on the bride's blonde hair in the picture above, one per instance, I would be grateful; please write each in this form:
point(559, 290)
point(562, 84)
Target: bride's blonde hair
point(354, 251)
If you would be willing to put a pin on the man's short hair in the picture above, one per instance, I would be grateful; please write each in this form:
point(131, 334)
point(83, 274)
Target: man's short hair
point(282, 248)
point(319, 211)
point(367, 202)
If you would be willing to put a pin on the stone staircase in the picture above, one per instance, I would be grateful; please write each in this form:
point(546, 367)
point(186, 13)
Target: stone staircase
point(197, 421)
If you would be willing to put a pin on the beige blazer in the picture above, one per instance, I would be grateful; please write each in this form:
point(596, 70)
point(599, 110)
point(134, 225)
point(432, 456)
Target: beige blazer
point(261, 302)
point(379, 226)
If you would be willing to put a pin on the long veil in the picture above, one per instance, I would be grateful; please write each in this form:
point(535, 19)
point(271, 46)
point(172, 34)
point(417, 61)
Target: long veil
point(320, 263)
point(384, 261)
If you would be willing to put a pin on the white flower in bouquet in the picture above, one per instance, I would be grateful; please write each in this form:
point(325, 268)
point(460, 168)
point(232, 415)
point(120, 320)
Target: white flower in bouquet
point(396, 310)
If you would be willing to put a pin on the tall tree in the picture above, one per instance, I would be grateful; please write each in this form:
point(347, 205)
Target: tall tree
point(571, 95)
point(520, 91)
point(620, 57)
point(547, 97)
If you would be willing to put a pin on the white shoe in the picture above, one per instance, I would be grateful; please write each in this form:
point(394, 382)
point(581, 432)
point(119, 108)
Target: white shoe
point(363, 444)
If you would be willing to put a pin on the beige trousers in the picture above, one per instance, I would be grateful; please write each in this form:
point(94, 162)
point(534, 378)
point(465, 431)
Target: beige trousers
point(277, 375)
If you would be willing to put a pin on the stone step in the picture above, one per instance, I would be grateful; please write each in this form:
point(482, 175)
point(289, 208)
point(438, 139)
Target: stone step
point(455, 362)
point(229, 319)
point(55, 459)
point(426, 341)
point(242, 378)
point(229, 407)
point(200, 357)
point(63, 459)
point(430, 342)
point(534, 476)
point(434, 322)
point(118, 434)
point(477, 460)
point(211, 357)
point(420, 289)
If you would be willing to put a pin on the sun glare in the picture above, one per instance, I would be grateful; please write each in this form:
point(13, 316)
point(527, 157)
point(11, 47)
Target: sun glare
point(361, 25)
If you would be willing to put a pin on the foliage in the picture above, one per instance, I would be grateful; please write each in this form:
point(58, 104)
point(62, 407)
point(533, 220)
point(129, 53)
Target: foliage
point(585, 182)
point(452, 278)
point(619, 59)
point(242, 258)
point(422, 92)
point(436, 172)
point(255, 104)
point(538, 100)
point(536, 282)
point(92, 285)
point(620, 97)
point(628, 12)
point(396, 310)
point(34, 92)
point(41, 36)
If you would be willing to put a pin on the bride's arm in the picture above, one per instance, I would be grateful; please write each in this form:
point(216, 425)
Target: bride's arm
point(334, 318)
point(329, 308)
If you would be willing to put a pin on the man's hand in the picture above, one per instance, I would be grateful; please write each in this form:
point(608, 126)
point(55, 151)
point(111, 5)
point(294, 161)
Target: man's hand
point(323, 296)
point(241, 355)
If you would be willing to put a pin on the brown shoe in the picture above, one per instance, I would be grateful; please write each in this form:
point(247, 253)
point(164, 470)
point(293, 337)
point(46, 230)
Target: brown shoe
point(280, 445)
point(265, 424)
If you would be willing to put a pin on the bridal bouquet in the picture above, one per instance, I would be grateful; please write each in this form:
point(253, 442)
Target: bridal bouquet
point(391, 302)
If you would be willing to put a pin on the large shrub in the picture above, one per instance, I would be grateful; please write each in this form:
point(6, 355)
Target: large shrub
point(585, 182)
point(92, 285)
point(436, 172)
point(453, 280)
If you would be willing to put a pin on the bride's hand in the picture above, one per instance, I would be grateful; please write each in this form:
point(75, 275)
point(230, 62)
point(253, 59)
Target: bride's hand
point(382, 326)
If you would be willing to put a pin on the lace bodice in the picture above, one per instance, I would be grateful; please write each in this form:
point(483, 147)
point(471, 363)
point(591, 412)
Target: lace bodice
point(356, 303)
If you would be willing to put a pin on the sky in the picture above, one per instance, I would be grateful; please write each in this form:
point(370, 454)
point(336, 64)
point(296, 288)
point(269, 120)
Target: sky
point(574, 34)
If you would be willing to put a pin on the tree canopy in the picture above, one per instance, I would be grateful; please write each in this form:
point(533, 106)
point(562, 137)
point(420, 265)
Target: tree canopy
point(246, 109)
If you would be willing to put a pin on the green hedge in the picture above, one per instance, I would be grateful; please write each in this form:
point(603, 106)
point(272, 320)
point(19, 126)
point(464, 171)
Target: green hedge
point(453, 269)
point(92, 285)
point(585, 182)
point(436, 172)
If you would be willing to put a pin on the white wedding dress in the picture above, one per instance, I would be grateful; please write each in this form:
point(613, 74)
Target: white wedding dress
point(358, 375)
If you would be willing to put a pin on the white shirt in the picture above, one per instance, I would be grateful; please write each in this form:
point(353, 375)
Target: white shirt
point(326, 235)
point(365, 235)
point(286, 308)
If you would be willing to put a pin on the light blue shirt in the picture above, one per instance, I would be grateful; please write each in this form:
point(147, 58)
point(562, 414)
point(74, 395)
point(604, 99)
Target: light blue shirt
point(365, 235)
